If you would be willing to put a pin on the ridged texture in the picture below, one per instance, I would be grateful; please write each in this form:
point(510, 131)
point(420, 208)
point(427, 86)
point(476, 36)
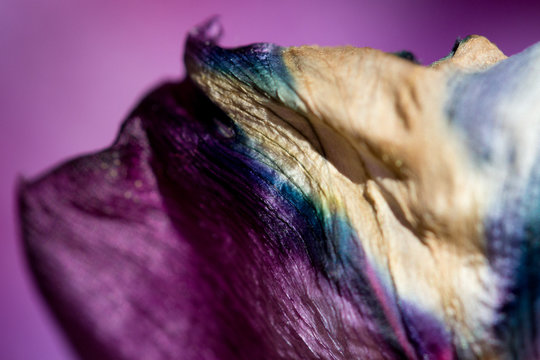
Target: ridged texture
point(304, 203)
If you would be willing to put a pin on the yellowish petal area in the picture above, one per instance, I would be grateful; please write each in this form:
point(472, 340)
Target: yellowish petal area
point(369, 138)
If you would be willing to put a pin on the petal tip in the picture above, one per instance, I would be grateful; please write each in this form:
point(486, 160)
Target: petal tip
point(209, 31)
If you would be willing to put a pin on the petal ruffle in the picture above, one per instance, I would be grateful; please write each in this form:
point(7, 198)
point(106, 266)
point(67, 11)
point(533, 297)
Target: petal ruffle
point(301, 203)
point(179, 242)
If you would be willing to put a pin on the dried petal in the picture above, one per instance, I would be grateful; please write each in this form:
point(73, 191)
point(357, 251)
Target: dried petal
point(305, 203)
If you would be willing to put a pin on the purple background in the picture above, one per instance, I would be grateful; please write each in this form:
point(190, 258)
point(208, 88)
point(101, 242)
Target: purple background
point(71, 70)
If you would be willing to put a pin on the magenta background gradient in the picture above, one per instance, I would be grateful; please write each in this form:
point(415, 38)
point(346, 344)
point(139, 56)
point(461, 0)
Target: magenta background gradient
point(71, 70)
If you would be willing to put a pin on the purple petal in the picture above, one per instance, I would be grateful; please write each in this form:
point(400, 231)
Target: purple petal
point(275, 224)
point(174, 243)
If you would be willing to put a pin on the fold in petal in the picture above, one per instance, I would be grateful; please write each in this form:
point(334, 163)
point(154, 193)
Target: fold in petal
point(303, 203)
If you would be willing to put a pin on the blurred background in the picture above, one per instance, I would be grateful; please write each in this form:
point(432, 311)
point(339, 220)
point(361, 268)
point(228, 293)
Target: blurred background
point(71, 70)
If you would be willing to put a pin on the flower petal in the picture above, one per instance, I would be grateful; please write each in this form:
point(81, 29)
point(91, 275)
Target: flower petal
point(178, 240)
point(301, 203)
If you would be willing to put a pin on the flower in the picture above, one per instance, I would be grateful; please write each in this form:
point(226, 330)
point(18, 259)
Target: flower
point(303, 203)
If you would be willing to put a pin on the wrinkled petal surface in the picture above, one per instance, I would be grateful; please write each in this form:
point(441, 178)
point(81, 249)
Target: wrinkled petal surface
point(304, 203)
